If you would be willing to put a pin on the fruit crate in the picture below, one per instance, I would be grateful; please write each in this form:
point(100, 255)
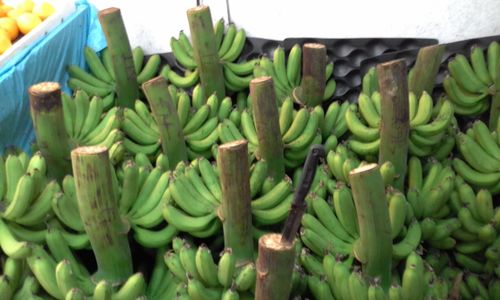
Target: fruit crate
point(54, 44)
point(63, 9)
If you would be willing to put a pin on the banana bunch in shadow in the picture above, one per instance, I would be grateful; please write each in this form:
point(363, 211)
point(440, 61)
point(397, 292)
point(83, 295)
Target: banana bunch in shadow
point(431, 133)
point(467, 285)
point(100, 79)
point(229, 42)
point(286, 72)
point(478, 244)
point(139, 188)
point(473, 84)
point(338, 277)
point(479, 149)
point(88, 122)
point(26, 195)
point(198, 116)
point(16, 283)
point(62, 276)
point(194, 196)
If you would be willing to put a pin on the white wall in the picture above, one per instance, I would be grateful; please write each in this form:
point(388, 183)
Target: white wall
point(151, 23)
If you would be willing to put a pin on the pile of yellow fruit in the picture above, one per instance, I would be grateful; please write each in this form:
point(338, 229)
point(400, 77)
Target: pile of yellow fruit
point(20, 20)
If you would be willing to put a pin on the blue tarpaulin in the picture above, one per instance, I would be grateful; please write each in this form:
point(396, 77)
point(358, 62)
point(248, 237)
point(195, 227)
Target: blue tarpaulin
point(44, 60)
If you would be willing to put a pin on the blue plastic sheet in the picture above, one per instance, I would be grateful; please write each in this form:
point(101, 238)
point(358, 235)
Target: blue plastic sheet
point(44, 60)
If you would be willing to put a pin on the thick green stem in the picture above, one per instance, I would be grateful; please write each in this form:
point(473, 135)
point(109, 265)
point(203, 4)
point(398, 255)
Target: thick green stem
point(99, 212)
point(423, 74)
point(48, 121)
point(374, 247)
point(236, 210)
point(165, 114)
point(495, 104)
point(312, 87)
point(274, 268)
point(127, 89)
point(266, 116)
point(394, 123)
point(494, 111)
point(205, 50)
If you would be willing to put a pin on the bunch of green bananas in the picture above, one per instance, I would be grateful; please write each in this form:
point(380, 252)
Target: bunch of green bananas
point(26, 195)
point(470, 85)
point(287, 73)
point(430, 198)
point(299, 129)
point(429, 188)
point(87, 123)
point(320, 186)
point(480, 149)
point(140, 190)
point(202, 278)
point(334, 278)
point(429, 125)
point(230, 44)
point(62, 276)
point(198, 116)
point(477, 238)
point(472, 287)
point(342, 160)
point(162, 283)
point(101, 79)
point(195, 197)
point(15, 283)
point(333, 227)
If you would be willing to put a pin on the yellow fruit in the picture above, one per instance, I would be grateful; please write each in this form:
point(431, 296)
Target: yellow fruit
point(26, 6)
point(14, 13)
point(4, 9)
point(10, 26)
point(5, 42)
point(27, 21)
point(44, 10)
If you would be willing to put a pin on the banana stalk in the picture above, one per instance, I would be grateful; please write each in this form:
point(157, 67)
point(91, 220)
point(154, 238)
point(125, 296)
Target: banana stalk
point(394, 124)
point(205, 50)
point(165, 114)
point(374, 247)
point(274, 268)
point(47, 116)
point(232, 160)
point(495, 103)
point(312, 87)
point(266, 116)
point(99, 213)
point(127, 90)
point(423, 74)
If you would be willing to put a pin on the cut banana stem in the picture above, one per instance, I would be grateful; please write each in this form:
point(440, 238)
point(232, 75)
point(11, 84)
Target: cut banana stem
point(394, 122)
point(99, 213)
point(205, 50)
point(312, 87)
point(236, 214)
point(127, 89)
point(274, 268)
point(495, 110)
point(375, 242)
point(165, 114)
point(424, 71)
point(47, 116)
point(266, 118)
